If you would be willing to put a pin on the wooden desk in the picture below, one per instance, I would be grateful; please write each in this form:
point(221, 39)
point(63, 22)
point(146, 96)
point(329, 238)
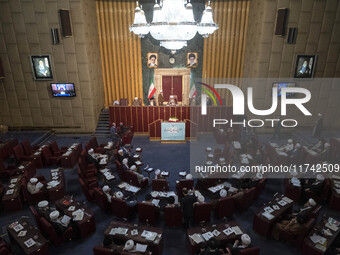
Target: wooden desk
point(309, 248)
point(127, 187)
point(222, 237)
point(154, 246)
point(57, 192)
point(70, 158)
point(12, 201)
point(41, 244)
point(87, 225)
point(261, 224)
point(334, 202)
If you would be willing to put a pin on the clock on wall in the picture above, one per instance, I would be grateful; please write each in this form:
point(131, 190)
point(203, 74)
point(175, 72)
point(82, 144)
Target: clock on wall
point(172, 60)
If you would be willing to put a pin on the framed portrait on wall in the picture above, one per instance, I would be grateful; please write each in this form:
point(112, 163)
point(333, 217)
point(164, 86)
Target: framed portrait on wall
point(41, 66)
point(304, 66)
point(152, 59)
point(192, 59)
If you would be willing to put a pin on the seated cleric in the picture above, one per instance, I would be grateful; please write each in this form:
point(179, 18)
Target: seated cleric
point(33, 186)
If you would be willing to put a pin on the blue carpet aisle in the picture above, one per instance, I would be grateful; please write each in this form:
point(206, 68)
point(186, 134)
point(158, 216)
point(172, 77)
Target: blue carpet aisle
point(170, 157)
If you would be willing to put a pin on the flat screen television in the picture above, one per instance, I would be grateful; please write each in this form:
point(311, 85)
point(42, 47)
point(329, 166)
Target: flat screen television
point(284, 85)
point(63, 90)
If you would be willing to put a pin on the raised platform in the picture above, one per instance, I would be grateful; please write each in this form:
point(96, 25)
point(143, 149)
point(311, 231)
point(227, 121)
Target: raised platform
point(141, 117)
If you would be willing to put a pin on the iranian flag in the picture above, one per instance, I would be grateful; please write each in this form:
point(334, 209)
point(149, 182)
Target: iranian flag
point(152, 90)
point(193, 91)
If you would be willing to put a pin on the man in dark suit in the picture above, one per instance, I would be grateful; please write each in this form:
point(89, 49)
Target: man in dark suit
point(187, 205)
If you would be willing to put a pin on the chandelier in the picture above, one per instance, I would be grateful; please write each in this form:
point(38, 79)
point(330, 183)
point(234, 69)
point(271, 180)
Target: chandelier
point(173, 23)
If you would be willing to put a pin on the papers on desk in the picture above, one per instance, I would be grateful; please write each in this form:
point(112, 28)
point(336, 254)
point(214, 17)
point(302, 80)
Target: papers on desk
point(53, 183)
point(109, 176)
point(318, 239)
point(163, 194)
point(288, 200)
point(282, 202)
point(54, 173)
point(197, 238)
point(22, 233)
point(237, 230)
point(182, 174)
point(14, 180)
point(78, 215)
point(136, 156)
point(18, 227)
point(29, 243)
point(207, 235)
point(10, 192)
point(21, 167)
point(65, 220)
point(268, 215)
point(134, 232)
point(155, 202)
point(122, 185)
point(268, 209)
point(138, 149)
point(165, 173)
point(331, 226)
point(228, 231)
point(216, 188)
point(148, 235)
point(54, 170)
point(39, 185)
point(148, 169)
point(104, 170)
point(118, 231)
point(132, 189)
point(71, 208)
point(11, 186)
point(141, 247)
point(238, 175)
point(139, 163)
point(37, 153)
point(276, 207)
point(216, 232)
point(320, 247)
point(333, 221)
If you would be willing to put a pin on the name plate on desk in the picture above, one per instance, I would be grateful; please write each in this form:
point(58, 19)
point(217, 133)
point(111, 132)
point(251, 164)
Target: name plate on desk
point(173, 131)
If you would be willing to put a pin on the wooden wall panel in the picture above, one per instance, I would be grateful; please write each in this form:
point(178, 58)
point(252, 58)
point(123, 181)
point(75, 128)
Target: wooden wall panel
point(223, 52)
point(120, 50)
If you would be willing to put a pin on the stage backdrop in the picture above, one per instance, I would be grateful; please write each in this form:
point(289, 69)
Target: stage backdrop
point(124, 55)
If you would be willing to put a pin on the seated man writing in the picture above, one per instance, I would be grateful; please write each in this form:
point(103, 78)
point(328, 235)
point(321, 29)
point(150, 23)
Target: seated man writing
point(33, 186)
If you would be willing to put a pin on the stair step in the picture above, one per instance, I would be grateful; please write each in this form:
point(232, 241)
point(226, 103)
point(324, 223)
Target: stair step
point(103, 126)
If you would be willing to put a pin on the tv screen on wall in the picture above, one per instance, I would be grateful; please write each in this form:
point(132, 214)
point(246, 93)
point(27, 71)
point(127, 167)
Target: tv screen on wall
point(63, 90)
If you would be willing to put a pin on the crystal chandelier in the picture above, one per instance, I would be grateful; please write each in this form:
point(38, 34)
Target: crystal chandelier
point(173, 23)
